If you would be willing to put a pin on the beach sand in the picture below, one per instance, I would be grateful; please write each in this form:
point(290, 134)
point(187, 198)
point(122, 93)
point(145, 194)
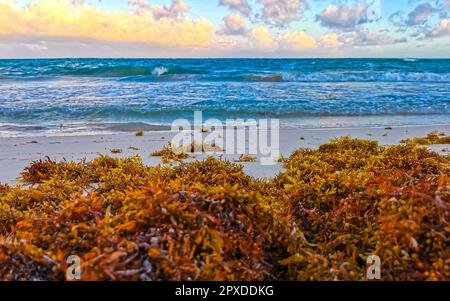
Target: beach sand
point(17, 153)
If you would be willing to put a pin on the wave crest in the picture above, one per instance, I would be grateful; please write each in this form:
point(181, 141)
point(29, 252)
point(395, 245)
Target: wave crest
point(158, 71)
point(126, 71)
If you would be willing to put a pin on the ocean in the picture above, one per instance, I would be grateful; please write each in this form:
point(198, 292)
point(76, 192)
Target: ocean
point(88, 96)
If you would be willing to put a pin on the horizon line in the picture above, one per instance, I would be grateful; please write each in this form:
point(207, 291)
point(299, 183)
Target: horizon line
point(226, 58)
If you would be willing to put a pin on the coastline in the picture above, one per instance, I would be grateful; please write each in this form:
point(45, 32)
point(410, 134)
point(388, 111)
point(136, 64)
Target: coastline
point(17, 153)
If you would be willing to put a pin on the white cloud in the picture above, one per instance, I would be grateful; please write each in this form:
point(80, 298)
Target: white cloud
point(176, 9)
point(445, 4)
point(261, 39)
point(35, 47)
point(443, 8)
point(241, 6)
point(364, 38)
point(281, 13)
point(344, 17)
point(420, 14)
point(234, 24)
point(360, 38)
point(441, 30)
point(140, 5)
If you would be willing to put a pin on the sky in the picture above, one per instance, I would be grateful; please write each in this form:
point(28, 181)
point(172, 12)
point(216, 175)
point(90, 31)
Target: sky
point(224, 28)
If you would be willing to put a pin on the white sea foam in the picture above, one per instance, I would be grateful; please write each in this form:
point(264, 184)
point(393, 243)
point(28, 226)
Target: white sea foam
point(158, 71)
point(369, 76)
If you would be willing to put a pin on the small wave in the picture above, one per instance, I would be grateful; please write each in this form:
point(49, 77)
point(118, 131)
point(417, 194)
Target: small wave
point(40, 78)
point(420, 77)
point(128, 71)
point(158, 71)
point(20, 127)
point(123, 112)
point(131, 127)
point(117, 71)
point(335, 77)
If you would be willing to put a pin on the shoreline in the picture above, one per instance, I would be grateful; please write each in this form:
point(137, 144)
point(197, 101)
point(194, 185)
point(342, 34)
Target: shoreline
point(13, 130)
point(17, 153)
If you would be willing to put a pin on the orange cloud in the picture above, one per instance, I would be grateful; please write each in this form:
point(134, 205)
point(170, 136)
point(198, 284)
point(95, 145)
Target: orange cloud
point(260, 38)
point(63, 18)
point(297, 41)
point(330, 40)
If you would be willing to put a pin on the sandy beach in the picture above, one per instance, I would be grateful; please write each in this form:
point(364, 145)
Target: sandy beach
point(17, 153)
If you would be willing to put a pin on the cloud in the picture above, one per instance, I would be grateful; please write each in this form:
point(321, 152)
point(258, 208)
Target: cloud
point(78, 28)
point(260, 38)
point(420, 14)
point(241, 6)
point(66, 19)
point(234, 24)
point(344, 17)
point(360, 38)
point(363, 38)
point(296, 41)
point(281, 13)
point(443, 7)
point(444, 4)
point(417, 21)
point(330, 40)
point(140, 5)
point(441, 30)
point(176, 9)
point(34, 47)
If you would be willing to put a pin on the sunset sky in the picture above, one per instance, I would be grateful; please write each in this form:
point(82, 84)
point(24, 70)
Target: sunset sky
point(224, 28)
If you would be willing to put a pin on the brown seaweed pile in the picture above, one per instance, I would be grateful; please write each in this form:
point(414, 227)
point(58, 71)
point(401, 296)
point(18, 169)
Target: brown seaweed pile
point(432, 138)
point(320, 219)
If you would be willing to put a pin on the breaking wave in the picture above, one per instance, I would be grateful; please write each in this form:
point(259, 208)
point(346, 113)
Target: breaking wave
point(178, 73)
point(127, 71)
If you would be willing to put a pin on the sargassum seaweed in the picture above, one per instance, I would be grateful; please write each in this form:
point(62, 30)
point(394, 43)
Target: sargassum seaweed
point(318, 220)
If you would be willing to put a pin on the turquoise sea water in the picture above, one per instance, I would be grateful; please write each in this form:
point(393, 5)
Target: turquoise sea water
point(79, 96)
